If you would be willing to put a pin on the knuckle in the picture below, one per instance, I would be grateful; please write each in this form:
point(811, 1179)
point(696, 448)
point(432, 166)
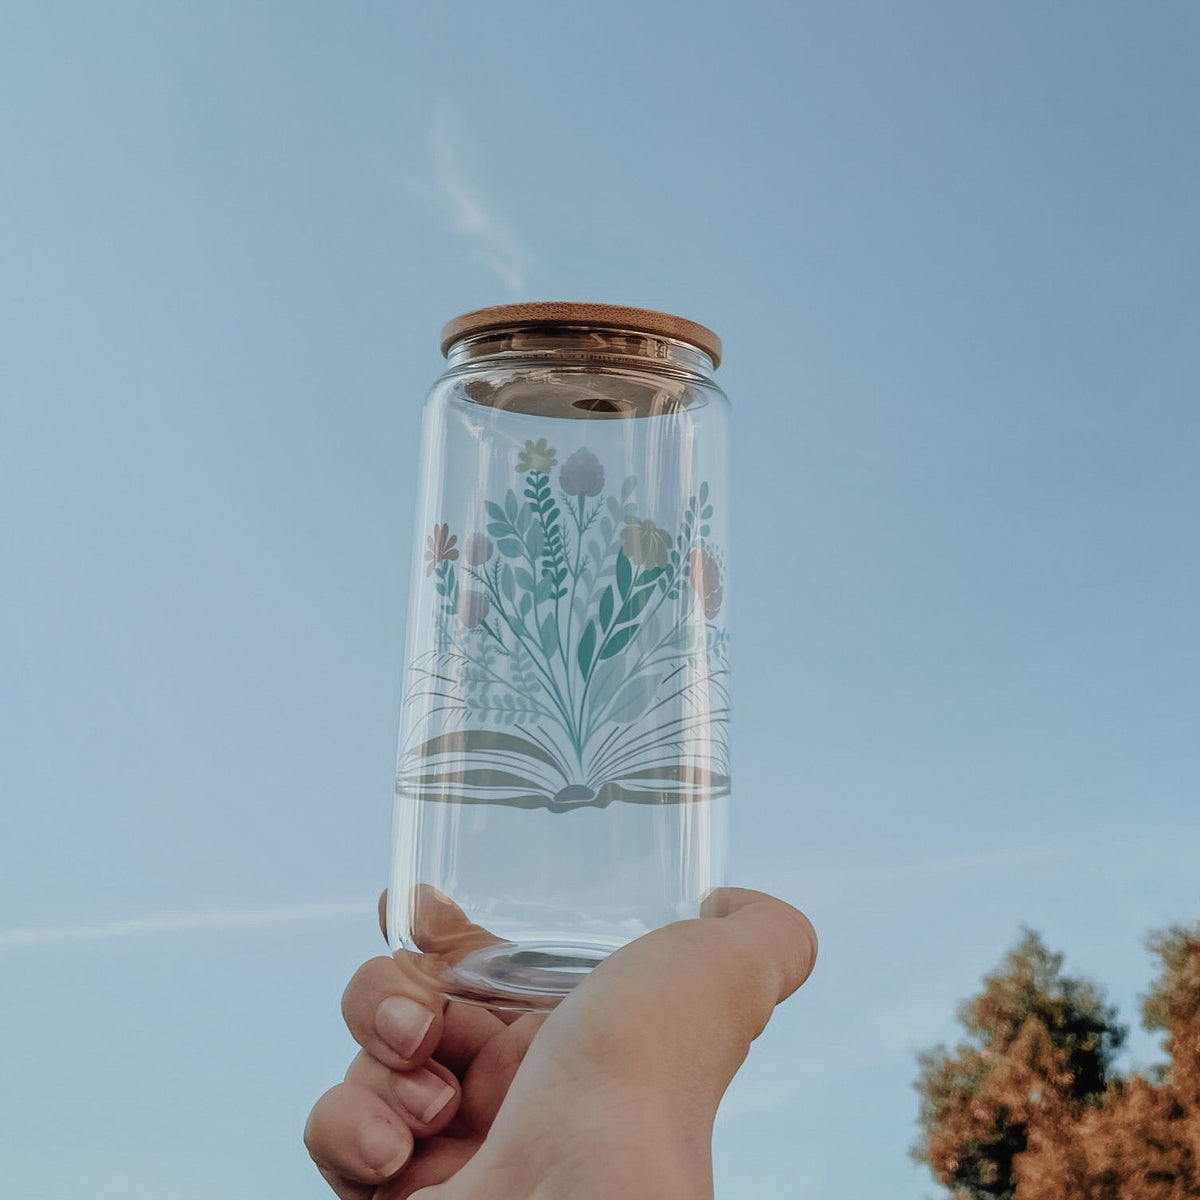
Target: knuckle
point(802, 946)
point(361, 1068)
point(314, 1126)
point(371, 976)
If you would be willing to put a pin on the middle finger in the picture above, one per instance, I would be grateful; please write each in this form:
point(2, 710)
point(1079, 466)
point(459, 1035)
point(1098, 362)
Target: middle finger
point(426, 1098)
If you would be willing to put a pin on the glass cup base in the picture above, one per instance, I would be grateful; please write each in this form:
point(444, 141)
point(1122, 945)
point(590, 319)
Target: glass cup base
point(520, 976)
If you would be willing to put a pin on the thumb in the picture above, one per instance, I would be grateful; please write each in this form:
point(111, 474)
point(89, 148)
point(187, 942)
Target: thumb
point(779, 940)
point(635, 1060)
point(688, 998)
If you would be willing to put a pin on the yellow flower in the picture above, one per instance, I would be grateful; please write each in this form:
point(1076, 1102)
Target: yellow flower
point(645, 544)
point(537, 456)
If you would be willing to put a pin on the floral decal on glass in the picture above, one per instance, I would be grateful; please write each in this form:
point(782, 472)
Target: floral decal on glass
point(579, 656)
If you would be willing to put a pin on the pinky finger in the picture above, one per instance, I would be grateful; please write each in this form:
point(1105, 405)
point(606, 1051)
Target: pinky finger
point(356, 1139)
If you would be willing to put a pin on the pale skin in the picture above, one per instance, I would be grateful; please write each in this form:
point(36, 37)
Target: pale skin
point(613, 1094)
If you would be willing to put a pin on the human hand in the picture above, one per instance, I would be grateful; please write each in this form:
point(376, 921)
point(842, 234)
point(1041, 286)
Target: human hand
point(612, 1094)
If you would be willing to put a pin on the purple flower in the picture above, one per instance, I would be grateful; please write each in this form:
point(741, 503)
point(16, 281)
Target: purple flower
point(582, 474)
point(472, 608)
point(477, 549)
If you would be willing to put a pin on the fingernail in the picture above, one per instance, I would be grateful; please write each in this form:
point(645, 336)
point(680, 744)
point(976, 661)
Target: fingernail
point(423, 1094)
point(403, 1024)
point(384, 1148)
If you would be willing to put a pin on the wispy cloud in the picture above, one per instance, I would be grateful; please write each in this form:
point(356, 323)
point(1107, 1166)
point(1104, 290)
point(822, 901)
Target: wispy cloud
point(184, 922)
point(469, 212)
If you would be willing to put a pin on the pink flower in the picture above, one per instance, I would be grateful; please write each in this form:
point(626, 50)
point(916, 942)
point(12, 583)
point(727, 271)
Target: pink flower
point(705, 578)
point(440, 548)
point(473, 608)
point(477, 549)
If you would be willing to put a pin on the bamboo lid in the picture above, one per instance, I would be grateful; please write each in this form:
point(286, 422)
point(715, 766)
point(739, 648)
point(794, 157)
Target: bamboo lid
point(607, 316)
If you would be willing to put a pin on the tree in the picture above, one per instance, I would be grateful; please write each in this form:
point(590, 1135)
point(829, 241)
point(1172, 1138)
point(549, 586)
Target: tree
point(1039, 1115)
point(1138, 1145)
point(1173, 1007)
point(1143, 1142)
point(1039, 1050)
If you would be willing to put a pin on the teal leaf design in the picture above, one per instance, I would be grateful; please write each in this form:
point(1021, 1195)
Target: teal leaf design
point(624, 574)
point(634, 605)
point(508, 583)
point(580, 608)
point(685, 638)
point(587, 647)
point(599, 666)
point(634, 699)
point(619, 641)
point(607, 682)
point(606, 608)
point(549, 635)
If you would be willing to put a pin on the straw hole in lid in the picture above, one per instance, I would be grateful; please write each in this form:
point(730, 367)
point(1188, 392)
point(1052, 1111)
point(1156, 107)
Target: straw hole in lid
point(601, 404)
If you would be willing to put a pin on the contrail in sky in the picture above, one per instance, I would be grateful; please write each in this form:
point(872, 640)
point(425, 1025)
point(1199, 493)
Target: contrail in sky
point(183, 922)
point(468, 211)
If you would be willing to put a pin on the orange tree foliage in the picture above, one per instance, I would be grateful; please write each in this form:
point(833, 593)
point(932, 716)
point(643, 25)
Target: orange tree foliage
point(1028, 1109)
point(1038, 1042)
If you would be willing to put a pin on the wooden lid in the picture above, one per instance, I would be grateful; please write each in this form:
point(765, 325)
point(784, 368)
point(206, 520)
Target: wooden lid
point(607, 316)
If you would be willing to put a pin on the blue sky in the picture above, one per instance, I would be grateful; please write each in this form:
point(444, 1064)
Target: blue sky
point(952, 250)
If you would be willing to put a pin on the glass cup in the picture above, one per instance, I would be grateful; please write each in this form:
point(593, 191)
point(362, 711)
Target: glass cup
point(563, 769)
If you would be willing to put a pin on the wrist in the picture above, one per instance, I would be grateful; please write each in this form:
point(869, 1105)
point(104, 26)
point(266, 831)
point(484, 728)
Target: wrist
point(630, 1145)
point(650, 1168)
point(609, 1146)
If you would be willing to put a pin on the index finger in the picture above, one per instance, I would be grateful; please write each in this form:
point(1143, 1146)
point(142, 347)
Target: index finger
point(393, 1013)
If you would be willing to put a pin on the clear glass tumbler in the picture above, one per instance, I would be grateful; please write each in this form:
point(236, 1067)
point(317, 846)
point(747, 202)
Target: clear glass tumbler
point(563, 769)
